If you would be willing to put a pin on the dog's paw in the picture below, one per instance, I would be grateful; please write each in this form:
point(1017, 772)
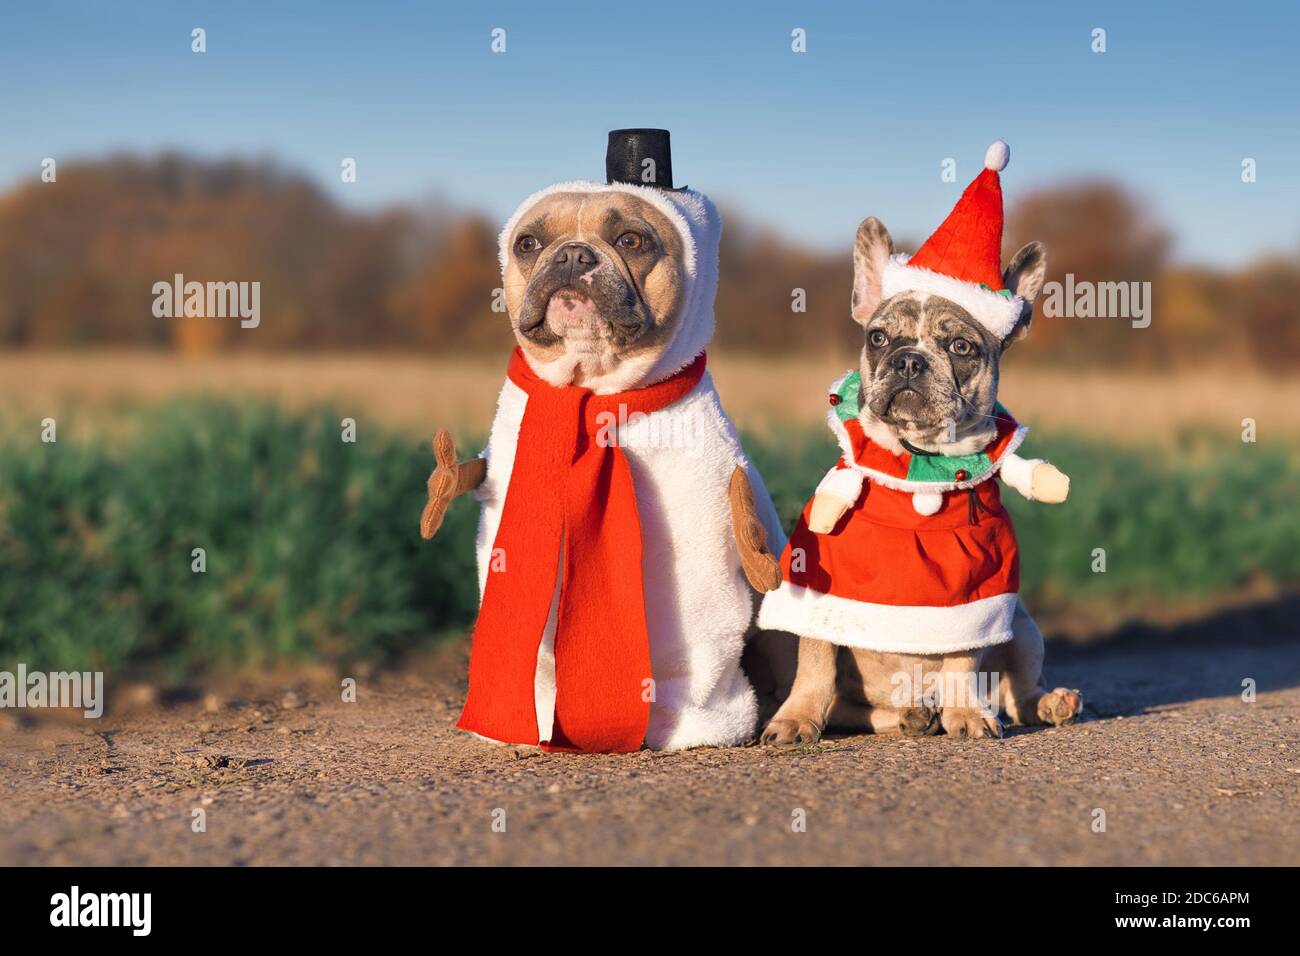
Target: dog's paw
point(968, 722)
point(787, 732)
point(1059, 707)
point(918, 722)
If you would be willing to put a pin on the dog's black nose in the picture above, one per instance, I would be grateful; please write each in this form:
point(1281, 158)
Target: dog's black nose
point(578, 256)
point(908, 365)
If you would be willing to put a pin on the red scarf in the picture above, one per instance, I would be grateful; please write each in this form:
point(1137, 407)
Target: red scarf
point(570, 508)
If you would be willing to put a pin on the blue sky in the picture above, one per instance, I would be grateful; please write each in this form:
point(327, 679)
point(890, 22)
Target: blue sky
point(810, 143)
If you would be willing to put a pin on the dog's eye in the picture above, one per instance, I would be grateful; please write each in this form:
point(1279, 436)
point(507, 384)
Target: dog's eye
point(631, 241)
point(527, 244)
point(878, 339)
point(960, 347)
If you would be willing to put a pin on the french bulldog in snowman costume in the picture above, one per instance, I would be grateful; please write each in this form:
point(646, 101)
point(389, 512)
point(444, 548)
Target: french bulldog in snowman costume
point(623, 531)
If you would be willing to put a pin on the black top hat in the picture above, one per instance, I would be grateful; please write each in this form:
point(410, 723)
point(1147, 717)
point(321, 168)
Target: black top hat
point(627, 154)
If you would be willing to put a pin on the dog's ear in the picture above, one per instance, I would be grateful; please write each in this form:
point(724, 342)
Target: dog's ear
point(871, 252)
point(1024, 277)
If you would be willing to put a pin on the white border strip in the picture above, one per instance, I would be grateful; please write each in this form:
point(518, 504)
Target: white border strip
point(891, 628)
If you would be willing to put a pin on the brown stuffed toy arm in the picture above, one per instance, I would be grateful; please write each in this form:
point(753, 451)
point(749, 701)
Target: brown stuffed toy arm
point(761, 567)
point(448, 480)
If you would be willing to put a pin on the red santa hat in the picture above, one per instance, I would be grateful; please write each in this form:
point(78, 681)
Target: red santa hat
point(962, 260)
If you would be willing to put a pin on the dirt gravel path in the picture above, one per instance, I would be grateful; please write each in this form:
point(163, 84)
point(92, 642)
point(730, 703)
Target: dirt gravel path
point(1184, 769)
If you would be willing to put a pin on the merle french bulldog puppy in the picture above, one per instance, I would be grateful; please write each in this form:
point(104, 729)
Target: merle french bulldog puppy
point(901, 577)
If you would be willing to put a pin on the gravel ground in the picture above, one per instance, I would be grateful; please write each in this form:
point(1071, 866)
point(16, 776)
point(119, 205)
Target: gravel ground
point(1184, 769)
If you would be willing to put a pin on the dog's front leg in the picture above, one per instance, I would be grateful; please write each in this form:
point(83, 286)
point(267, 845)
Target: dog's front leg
point(963, 710)
point(802, 717)
point(1023, 692)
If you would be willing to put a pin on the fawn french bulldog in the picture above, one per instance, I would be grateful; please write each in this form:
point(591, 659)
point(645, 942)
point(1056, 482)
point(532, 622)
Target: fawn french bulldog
point(622, 527)
point(901, 577)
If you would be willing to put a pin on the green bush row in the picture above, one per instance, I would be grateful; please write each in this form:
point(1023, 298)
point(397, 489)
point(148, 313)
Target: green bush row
point(312, 549)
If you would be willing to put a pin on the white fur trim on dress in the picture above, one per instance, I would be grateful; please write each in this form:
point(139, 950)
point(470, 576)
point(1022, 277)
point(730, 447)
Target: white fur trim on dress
point(902, 484)
point(699, 226)
point(891, 628)
point(996, 313)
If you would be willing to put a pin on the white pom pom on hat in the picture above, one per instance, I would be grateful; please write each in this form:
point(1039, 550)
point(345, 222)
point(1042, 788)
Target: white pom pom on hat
point(997, 157)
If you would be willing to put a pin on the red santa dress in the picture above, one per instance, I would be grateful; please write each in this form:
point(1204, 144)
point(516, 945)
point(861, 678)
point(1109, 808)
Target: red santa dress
point(923, 562)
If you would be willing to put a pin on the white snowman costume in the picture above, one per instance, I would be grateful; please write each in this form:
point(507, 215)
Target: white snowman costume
point(698, 604)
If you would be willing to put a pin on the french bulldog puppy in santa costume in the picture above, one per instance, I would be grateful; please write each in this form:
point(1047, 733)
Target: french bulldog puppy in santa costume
point(901, 577)
point(622, 527)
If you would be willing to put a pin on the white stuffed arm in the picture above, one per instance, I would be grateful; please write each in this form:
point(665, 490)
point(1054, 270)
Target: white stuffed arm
point(836, 494)
point(1036, 479)
point(843, 483)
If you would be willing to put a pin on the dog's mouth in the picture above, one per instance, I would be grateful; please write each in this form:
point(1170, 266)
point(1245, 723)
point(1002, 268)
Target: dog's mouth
point(912, 411)
point(571, 308)
point(590, 310)
point(907, 405)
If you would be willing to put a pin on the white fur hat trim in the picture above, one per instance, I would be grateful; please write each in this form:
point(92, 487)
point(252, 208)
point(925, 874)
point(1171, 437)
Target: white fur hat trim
point(996, 313)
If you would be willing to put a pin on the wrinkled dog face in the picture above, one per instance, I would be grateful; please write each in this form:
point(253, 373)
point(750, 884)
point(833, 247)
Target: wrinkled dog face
point(929, 369)
point(928, 366)
point(593, 285)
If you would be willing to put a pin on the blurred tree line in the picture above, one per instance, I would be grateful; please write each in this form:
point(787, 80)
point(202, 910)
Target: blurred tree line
point(78, 260)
